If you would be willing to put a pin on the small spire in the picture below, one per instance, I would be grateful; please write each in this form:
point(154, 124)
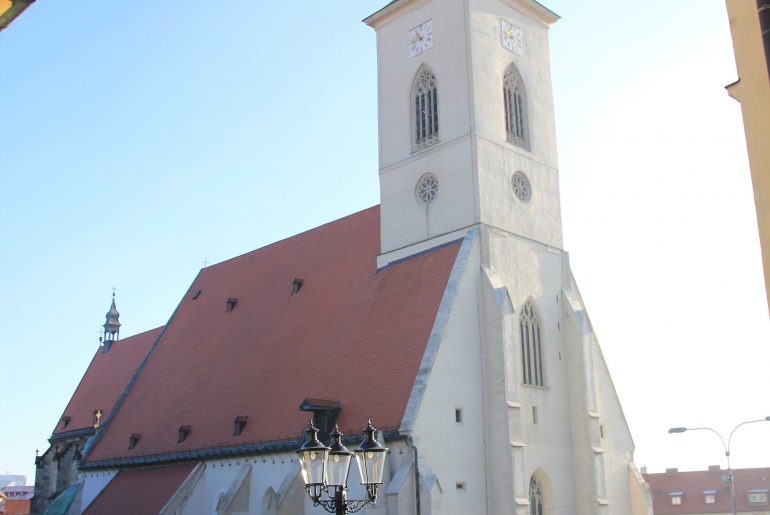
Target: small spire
point(112, 323)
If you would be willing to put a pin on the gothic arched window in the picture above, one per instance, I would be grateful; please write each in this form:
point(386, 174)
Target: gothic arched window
point(425, 108)
point(515, 108)
point(531, 346)
point(535, 497)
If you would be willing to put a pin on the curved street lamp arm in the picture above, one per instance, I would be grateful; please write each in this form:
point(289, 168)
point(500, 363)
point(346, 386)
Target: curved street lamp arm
point(729, 439)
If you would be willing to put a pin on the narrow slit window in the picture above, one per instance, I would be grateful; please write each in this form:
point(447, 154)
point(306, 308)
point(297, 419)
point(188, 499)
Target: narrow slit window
point(458, 415)
point(231, 302)
point(133, 440)
point(296, 286)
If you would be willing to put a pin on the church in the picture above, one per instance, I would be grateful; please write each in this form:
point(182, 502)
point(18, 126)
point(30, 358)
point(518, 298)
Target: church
point(447, 317)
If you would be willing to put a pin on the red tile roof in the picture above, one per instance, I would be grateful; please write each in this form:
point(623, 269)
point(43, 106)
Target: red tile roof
point(104, 380)
point(693, 484)
point(352, 334)
point(138, 491)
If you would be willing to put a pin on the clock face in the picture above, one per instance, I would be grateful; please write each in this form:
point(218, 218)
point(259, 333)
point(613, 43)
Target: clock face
point(421, 38)
point(511, 37)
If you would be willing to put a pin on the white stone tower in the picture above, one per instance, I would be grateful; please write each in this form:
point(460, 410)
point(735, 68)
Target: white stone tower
point(468, 46)
point(467, 142)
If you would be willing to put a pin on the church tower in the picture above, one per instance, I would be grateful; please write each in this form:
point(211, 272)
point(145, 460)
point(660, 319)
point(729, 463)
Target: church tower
point(467, 149)
point(466, 122)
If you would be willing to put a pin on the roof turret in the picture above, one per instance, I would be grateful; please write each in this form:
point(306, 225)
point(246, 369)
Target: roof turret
point(112, 323)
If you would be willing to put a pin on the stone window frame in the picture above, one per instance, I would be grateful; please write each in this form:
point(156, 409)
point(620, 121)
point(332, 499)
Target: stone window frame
point(515, 108)
point(531, 335)
point(424, 108)
point(535, 497)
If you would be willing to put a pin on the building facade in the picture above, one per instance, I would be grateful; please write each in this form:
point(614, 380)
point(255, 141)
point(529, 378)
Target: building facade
point(750, 29)
point(15, 499)
point(708, 491)
point(448, 315)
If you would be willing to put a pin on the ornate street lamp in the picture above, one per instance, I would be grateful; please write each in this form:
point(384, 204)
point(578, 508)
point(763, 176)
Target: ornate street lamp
point(326, 469)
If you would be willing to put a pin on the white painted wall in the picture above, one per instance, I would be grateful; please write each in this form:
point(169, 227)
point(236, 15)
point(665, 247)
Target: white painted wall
point(454, 451)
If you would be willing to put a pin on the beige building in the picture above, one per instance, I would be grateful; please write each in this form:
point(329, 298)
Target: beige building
point(10, 9)
point(752, 89)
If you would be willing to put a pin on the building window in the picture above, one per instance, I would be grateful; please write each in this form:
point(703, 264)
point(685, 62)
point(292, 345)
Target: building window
point(522, 189)
point(515, 108)
point(427, 188)
point(425, 108)
point(531, 346)
point(757, 496)
point(535, 497)
point(710, 497)
point(676, 498)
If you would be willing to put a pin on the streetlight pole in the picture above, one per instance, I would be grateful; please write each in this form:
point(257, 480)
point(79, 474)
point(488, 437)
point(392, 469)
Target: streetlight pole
point(725, 447)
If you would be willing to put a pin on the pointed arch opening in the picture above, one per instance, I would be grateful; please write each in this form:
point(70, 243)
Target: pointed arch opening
point(536, 498)
point(515, 102)
point(531, 346)
point(424, 109)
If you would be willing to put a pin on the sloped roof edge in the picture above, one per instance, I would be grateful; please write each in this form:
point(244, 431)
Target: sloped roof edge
point(437, 332)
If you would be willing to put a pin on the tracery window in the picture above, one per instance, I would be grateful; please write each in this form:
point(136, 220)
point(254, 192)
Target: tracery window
point(425, 109)
point(535, 497)
point(531, 346)
point(515, 108)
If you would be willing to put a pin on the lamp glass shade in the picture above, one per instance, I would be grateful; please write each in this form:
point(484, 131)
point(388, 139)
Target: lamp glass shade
point(313, 465)
point(371, 465)
point(338, 469)
point(312, 458)
point(338, 462)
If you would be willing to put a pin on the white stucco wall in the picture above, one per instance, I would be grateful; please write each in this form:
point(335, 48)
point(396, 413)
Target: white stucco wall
point(455, 451)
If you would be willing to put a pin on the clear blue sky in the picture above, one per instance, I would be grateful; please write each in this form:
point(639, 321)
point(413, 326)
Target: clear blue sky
point(140, 138)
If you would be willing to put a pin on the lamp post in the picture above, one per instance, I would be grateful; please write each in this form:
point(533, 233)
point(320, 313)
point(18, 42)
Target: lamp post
point(325, 469)
point(726, 448)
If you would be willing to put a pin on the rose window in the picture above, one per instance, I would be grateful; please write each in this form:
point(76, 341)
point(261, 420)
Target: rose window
point(521, 187)
point(427, 188)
